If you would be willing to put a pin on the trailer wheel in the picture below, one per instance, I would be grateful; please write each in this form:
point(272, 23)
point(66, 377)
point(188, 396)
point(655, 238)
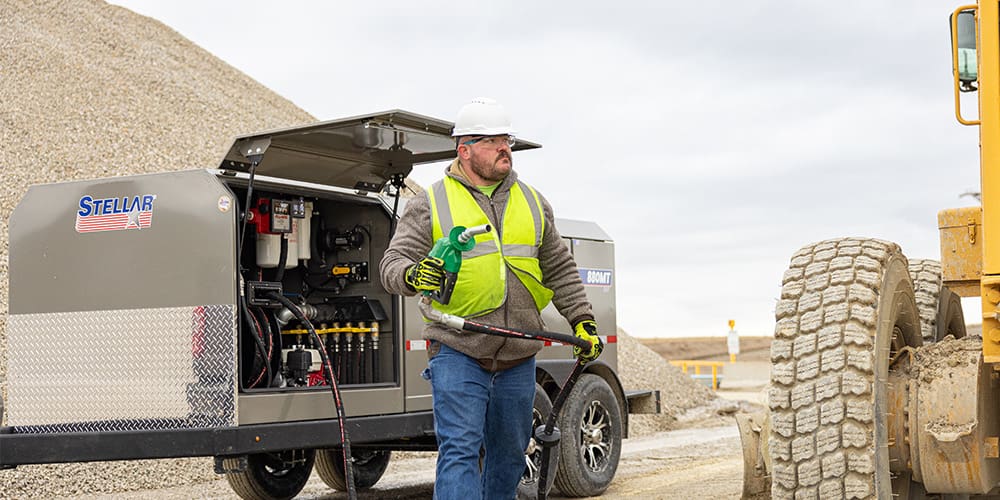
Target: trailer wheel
point(591, 444)
point(528, 487)
point(271, 476)
point(847, 312)
point(369, 465)
point(940, 308)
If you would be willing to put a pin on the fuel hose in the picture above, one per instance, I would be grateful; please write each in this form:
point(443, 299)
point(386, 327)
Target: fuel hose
point(330, 379)
point(548, 435)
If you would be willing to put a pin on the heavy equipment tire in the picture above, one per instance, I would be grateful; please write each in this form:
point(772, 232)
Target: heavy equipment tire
point(950, 319)
point(271, 476)
point(369, 465)
point(591, 444)
point(926, 276)
point(847, 308)
point(528, 487)
point(940, 308)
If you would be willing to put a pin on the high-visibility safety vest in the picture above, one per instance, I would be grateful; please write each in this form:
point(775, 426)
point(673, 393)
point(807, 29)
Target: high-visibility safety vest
point(482, 282)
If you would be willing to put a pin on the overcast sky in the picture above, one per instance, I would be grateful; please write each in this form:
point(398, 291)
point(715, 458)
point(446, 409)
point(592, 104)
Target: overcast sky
point(711, 140)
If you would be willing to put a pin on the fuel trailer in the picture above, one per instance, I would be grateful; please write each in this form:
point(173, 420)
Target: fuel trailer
point(142, 322)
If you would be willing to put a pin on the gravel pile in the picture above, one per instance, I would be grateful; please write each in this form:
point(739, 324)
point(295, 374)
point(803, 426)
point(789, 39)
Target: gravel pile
point(641, 368)
point(93, 90)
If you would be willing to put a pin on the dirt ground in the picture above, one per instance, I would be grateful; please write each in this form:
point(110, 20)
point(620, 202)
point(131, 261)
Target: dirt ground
point(687, 463)
point(699, 459)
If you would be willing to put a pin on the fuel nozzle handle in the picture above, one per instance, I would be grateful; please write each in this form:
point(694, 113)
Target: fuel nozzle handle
point(449, 249)
point(471, 232)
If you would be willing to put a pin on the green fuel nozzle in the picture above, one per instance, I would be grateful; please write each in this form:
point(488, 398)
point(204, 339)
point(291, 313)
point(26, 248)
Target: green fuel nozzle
point(449, 249)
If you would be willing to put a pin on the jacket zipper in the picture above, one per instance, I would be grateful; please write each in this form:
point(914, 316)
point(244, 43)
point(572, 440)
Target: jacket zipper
point(506, 319)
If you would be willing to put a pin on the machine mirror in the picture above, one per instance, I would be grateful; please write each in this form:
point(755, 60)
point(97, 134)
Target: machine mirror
point(966, 63)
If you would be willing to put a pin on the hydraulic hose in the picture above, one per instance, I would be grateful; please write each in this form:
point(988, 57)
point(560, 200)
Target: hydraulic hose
point(330, 379)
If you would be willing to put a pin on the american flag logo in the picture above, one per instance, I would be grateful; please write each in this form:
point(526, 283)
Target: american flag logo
point(114, 214)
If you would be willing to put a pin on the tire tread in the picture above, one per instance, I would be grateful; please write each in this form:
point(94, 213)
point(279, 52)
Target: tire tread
point(821, 415)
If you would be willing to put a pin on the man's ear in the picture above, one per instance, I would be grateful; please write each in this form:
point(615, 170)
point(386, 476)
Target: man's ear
point(464, 152)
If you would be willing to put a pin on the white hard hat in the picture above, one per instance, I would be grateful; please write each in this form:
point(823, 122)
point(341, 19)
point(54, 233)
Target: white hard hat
point(482, 116)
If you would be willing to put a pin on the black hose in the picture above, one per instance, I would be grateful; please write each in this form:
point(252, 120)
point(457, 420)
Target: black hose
point(261, 349)
point(328, 374)
point(545, 433)
point(264, 331)
point(282, 257)
point(374, 350)
point(395, 209)
point(270, 339)
point(548, 435)
point(245, 308)
point(314, 231)
point(362, 354)
point(279, 341)
point(516, 333)
point(254, 160)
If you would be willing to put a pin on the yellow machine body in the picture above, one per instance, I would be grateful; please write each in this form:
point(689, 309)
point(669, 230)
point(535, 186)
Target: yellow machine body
point(976, 253)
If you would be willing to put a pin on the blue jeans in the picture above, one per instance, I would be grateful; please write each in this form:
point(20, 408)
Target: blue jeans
point(473, 409)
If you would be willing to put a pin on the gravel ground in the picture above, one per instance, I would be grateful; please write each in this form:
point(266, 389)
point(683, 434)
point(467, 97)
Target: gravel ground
point(93, 90)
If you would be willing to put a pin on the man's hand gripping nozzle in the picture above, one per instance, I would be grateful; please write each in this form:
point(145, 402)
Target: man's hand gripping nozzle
point(446, 256)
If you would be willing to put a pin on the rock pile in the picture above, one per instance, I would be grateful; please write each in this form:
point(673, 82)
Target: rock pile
point(93, 90)
point(641, 368)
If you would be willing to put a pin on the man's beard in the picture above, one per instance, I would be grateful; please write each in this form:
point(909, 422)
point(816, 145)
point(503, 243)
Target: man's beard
point(489, 170)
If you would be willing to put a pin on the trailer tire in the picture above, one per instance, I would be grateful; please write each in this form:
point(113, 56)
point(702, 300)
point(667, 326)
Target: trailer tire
point(369, 465)
point(527, 488)
point(271, 476)
point(847, 308)
point(591, 444)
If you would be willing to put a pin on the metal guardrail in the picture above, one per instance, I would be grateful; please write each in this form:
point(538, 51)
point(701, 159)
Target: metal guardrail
point(698, 365)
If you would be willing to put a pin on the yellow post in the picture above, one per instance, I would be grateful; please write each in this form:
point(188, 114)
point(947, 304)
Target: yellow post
point(733, 341)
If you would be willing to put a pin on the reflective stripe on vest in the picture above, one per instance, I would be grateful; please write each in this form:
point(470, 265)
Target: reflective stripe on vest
point(482, 282)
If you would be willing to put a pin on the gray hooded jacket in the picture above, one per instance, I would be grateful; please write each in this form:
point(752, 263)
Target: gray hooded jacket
point(412, 242)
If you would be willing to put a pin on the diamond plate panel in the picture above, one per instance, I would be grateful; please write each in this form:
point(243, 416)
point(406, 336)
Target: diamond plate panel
point(136, 369)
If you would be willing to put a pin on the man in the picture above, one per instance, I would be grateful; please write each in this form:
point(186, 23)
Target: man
point(483, 386)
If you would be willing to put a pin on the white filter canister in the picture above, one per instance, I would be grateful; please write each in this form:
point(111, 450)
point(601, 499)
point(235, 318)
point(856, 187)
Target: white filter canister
point(268, 250)
point(305, 233)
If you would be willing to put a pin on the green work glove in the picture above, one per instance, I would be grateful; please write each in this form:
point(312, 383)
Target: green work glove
point(426, 275)
point(587, 330)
